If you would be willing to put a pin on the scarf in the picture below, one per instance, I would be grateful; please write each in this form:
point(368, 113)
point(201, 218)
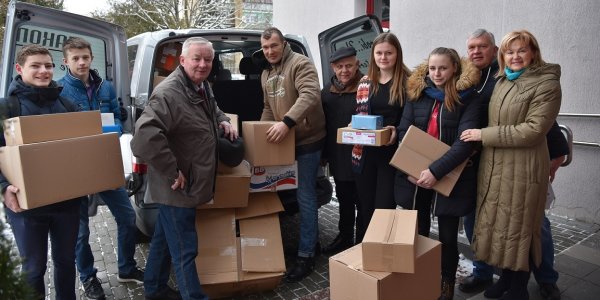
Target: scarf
point(512, 75)
point(362, 108)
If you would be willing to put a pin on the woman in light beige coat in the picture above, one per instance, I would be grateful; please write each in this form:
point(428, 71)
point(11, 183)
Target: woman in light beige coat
point(513, 173)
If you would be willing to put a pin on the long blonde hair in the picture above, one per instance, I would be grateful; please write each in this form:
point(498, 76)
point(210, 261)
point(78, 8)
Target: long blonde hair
point(452, 99)
point(401, 72)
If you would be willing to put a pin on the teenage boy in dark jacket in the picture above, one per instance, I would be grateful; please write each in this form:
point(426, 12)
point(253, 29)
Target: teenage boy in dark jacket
point(38, 94)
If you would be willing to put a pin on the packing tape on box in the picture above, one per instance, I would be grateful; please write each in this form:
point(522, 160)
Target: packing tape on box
point(10, 129)
point(218, 251)
point(253, 242)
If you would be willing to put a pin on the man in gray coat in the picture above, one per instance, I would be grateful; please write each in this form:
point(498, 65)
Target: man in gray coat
point(176, 136)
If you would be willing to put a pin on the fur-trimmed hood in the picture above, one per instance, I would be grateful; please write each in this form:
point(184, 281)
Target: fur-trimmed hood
point(417, 82)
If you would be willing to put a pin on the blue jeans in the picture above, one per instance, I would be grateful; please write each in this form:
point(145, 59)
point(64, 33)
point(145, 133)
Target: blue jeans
point(179, 247)
point(31, 234)
point(308, 166)
point(120, 207)
point(481, 270)
point(544, 274)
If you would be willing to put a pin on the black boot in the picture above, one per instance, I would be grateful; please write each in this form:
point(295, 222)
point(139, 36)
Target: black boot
point(501, 286)
point(303, 267)
point(518, 287)
point(447, 289)
point(339, 244)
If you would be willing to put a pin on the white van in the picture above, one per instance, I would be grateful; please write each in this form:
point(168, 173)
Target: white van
point(136, 65)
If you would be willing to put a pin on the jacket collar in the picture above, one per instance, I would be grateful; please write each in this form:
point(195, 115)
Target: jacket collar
point(351, 87)
point(418, 80)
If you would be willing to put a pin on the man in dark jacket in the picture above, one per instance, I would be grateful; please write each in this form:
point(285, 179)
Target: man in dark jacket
point(176, 136)
point(339, 104)
point(482, 52)
point(90, 92)
point(36, 93)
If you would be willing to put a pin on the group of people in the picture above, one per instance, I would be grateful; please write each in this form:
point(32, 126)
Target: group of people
point(495, 113)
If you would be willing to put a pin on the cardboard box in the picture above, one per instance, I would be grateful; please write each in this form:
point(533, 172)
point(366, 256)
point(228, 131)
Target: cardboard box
point(367, 122)
point(55, 171)
point(230, 265)
point(348, 280)
point(51, 127)
point(417, 151)
point(274, 178)
point(349, 135)
point(389, 243)
point(259, 152)
point(231, 188)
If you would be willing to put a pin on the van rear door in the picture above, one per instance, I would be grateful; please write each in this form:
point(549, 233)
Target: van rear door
point(358, 33)
point(32, 24)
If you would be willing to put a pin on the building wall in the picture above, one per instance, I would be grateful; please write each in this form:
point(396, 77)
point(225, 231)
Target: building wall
point(568, 35)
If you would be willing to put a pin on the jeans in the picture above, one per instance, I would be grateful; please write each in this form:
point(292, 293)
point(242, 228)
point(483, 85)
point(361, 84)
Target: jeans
point(179, 247)
point(120, 207)
point(481, 270)
point(544, 274)
point(31, 235)
point(308, 166)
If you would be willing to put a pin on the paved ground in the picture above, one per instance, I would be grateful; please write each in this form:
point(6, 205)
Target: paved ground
point(577, 259)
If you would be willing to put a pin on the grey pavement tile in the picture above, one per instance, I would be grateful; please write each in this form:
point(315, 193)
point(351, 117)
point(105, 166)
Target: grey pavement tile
point(572, 266)
point(592, 242)
point(565, 281)
point(594, 277)
point(583, 290)
point(584, 253)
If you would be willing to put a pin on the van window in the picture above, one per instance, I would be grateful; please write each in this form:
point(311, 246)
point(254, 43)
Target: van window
point(231, 62)
point(131, 54)
point(53, 40)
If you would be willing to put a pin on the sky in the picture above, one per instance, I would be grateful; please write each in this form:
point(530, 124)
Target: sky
point(84, 7)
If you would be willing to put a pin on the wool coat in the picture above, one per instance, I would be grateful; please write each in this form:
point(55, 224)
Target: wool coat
point(465, 115)
point(514, 168)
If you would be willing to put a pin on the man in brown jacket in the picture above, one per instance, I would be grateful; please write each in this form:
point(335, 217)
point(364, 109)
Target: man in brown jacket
point(292, 96)
point(176, 136)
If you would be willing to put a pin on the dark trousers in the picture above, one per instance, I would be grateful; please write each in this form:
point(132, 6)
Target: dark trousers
point(375, 185)
point(346, 194)
point(31, 235)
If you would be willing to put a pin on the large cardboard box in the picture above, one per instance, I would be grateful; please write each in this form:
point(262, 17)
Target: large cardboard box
point(349, 281)
point(259, 152)
point(274, 178)
point(417, 151)
point(54, 171)
point(42, 128)
point(250, 262)
point(389, 243)
point(377, 137)
point(231, 188)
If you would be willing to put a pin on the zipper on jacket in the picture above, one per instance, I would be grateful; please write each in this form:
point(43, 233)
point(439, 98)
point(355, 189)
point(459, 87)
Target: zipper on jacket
point(415, 197)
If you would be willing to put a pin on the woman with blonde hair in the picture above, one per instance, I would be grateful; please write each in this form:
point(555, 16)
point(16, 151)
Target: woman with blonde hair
point(514, 169)
point(442, 102)
point(382, 93)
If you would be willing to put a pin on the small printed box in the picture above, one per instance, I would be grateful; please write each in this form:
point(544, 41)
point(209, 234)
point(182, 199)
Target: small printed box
point(367, 122)
point(377, 137)
point(273, 178)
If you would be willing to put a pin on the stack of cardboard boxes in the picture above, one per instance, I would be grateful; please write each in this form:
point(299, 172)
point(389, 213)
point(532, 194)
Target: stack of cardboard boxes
point(392, 262)
point(56, 157)
point(240, 249)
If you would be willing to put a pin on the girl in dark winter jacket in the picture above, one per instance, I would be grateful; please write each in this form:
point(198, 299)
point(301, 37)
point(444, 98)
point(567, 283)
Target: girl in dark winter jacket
point(442, 102)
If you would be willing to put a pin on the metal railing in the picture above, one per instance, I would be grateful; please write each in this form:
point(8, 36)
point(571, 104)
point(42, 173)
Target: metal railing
point(579, 143)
